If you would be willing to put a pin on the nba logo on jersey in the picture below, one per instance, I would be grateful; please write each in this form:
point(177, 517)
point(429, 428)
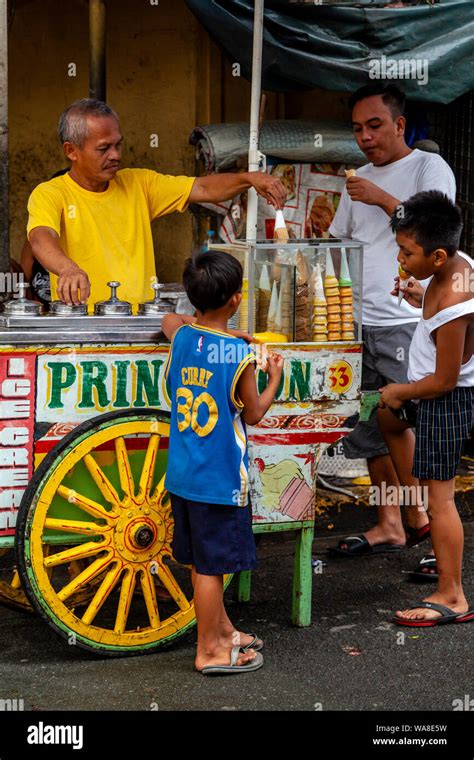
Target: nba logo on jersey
point(200, 342)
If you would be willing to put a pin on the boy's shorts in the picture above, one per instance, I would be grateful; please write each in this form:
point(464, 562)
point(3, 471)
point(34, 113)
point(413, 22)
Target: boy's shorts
point(384, 360)
point(443, 425)
point(215, 538)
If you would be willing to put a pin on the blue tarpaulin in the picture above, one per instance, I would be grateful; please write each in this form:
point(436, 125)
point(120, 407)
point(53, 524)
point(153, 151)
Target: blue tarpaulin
point(428, 49)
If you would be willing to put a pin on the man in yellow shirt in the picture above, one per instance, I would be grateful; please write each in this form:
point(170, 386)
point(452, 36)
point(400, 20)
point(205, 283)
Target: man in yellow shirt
point(93, 224)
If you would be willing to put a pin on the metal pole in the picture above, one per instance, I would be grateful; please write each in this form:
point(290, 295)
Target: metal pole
point(97, 39)
point(255, 117)
point(4, 210)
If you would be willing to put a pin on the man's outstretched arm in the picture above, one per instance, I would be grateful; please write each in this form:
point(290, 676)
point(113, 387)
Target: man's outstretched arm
point(223, 187)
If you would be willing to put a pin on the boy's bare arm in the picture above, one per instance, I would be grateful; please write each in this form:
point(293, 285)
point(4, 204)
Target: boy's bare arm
point(450, 339)
point(171, 322)
point(255, 405)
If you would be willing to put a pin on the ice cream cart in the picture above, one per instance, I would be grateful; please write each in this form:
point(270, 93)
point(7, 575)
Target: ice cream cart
point(84, 427)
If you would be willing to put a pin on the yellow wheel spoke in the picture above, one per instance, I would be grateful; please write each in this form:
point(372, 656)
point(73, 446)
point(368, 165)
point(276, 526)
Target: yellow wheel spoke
point(88, 505)
point(159, 494)
point(87, 575)
point(101, 480)
point(126, 477)
point(149, 464)
point(149, 594)
point(125, 601)
point(76, 552)
point(104, 590)
point(169, 582)
point(74, 526)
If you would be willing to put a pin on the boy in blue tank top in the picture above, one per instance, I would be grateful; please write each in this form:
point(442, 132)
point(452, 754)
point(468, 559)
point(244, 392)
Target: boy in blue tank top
point(210, 377)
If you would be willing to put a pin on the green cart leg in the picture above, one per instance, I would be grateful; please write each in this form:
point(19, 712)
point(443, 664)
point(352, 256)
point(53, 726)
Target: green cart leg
point(302, 579)
point(243, 588)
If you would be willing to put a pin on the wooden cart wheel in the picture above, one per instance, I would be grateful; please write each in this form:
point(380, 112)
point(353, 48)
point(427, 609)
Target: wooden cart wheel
point(98, 498)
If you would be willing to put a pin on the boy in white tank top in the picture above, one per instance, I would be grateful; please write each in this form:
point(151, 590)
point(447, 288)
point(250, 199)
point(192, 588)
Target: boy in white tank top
point(438, 399)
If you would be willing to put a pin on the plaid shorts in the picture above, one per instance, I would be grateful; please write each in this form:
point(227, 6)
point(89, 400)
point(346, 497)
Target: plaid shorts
point(442, 427)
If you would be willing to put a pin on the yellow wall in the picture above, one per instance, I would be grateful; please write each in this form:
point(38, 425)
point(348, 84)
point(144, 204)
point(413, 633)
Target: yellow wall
point(164, 76)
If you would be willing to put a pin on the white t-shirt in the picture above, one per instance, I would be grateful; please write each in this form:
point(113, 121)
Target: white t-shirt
point(416, 172)
point(422, 356)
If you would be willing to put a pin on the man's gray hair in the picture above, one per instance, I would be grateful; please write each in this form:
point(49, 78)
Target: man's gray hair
point(73, 126)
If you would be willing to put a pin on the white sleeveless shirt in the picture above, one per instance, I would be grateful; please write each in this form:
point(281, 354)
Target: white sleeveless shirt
point(422, 357)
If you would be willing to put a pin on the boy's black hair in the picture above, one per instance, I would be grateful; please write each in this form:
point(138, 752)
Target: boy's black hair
point(392, 96)
point(211, 279)
point(432, 219)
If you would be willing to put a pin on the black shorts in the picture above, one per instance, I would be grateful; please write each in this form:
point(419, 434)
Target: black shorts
point(216, 538)
point(443, 425)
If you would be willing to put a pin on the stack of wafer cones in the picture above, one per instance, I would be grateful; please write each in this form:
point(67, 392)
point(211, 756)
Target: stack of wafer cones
point(320, 311)
point(345, 295)
point(331, 291)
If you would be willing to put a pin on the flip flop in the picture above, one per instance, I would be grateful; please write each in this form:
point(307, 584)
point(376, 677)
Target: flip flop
point(256, 644)
point(447, 616)
point(211, 670)
point(358, 546)
point(416, 535)
point(428, 561)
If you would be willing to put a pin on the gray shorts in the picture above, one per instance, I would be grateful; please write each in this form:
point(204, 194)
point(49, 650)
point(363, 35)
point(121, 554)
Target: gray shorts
point(384, 360)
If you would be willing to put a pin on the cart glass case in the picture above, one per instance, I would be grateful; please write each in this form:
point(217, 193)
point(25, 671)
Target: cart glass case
point(301, 291)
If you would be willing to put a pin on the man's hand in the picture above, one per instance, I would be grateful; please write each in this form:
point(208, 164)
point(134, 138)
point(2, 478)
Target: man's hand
point(413, 292)
point(72, 280)
point(270, 188)
point(390, 395)
point(364, 191)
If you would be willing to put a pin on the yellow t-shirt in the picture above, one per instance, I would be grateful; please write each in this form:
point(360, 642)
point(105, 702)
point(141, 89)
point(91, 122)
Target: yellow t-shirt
point(109, 234)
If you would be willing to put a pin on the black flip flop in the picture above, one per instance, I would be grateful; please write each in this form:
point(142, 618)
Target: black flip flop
point(428, 561)
point(358, 546)
point(447, 616)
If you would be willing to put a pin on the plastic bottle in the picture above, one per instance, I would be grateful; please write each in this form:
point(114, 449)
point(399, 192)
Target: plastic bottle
point(210, 238)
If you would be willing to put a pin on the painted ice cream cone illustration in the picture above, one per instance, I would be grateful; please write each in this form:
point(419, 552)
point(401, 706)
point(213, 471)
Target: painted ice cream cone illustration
point(402, 284)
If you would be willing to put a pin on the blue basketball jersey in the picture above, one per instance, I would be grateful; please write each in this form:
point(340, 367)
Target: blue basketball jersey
point(207, 456)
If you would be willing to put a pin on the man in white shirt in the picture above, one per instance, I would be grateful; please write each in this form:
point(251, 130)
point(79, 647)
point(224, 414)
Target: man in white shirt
point(394, 173)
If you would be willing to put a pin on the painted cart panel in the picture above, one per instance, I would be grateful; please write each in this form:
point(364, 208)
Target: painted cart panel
point(46, 391)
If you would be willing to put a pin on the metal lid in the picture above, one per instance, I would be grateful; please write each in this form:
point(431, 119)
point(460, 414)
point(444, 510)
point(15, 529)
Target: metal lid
point(113, 306)
point(22, 306)
point(60, 309)
point(172, 290)
point(158, 305)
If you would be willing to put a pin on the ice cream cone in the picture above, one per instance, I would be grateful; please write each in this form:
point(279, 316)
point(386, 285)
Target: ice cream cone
point(272, 309)
point(402, 283)
point(345, 276)
point(280, 231)
point(329, 267)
